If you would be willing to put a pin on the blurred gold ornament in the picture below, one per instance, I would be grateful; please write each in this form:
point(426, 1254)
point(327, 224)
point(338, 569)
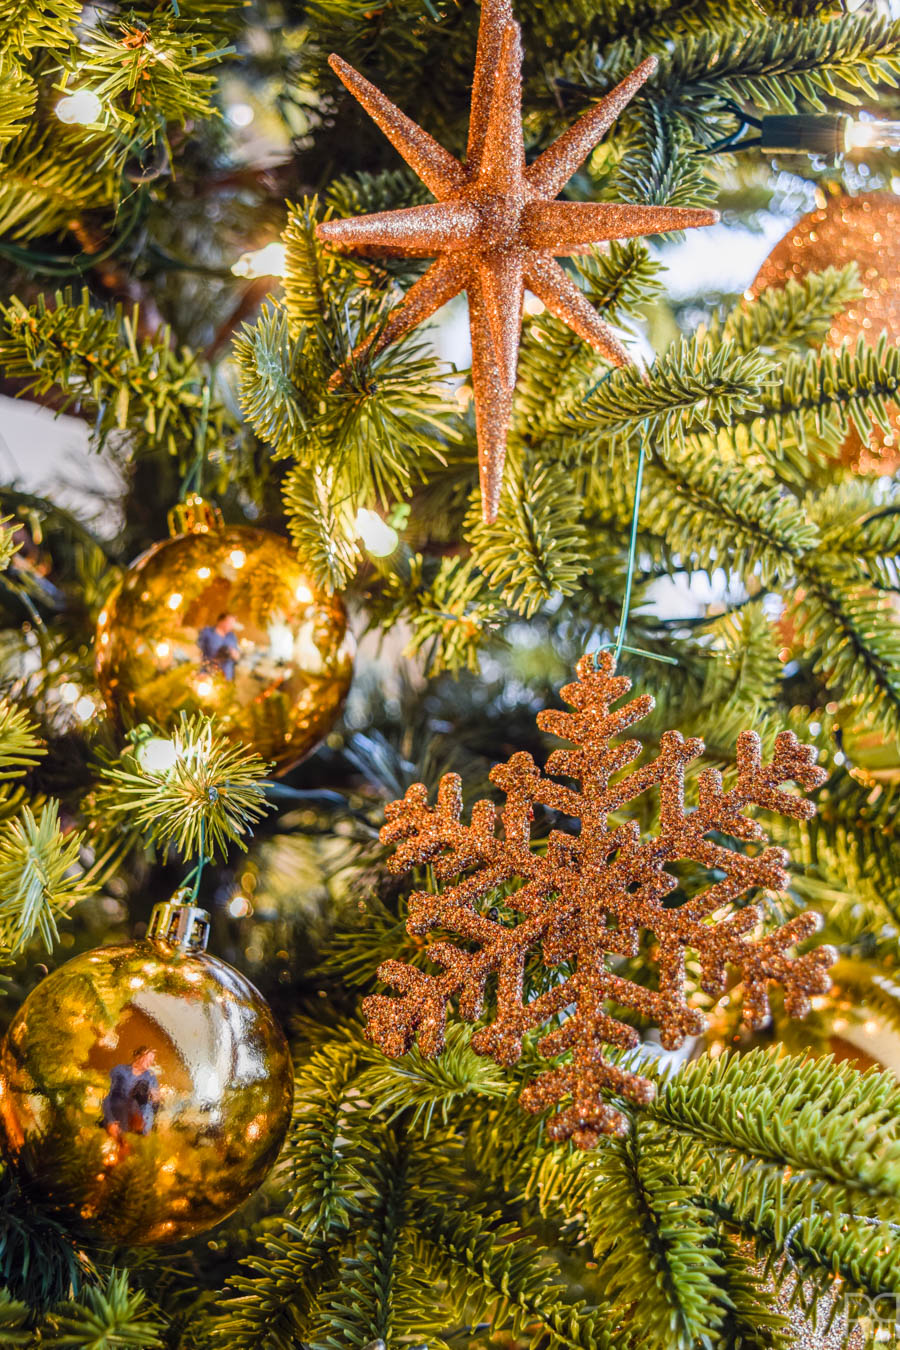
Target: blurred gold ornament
point(864, 230)
point(496, 226)
point(145, 1090)
point(224, 619)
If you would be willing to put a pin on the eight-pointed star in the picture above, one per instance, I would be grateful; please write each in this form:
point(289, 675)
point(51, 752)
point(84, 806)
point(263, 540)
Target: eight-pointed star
point(495, 227)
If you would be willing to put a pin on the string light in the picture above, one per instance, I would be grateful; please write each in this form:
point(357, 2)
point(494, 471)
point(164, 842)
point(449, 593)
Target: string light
point(263, 262)
point(157, 755)
point(80, 108)
point(873, 134)
point(829, 134)
point(240, 114)
point(377, 536)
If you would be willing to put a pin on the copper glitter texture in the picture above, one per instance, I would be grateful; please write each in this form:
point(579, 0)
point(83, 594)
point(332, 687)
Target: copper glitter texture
point(586, 899)
point(495, 227)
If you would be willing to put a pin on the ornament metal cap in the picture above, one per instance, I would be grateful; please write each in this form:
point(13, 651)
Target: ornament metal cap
point(179, 924)
point(195, 515)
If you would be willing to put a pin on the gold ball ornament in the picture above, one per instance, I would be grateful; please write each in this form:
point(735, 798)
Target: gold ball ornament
point(225, 620)
point(145, 1090)
point(864, 230)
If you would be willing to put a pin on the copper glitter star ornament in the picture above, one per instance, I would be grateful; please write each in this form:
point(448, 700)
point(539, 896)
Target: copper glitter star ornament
point(496, 227)
point(586, 899)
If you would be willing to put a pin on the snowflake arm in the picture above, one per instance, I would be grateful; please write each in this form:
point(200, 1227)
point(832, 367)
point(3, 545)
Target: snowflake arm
point(588, 898)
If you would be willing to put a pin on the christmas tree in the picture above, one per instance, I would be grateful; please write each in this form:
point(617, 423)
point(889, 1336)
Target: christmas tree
point(404, 326)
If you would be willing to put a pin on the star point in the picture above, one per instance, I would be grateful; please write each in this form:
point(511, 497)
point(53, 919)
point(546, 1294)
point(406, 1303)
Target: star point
point(496, 228)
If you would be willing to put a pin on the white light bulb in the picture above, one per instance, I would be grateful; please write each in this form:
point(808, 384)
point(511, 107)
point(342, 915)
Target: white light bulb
point(240, 114)
point(85, 708)
point(80, 108)
point(264, 262)
point(158, 755)
point(379, 538)
point(873, 133)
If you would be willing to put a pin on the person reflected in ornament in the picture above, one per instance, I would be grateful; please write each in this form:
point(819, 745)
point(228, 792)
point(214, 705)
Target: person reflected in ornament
point(219, 644)
point(132, 1102)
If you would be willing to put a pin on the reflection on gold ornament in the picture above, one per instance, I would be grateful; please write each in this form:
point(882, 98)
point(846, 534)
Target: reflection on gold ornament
point(864, 230)
point(144, 1090)
point(225, 620)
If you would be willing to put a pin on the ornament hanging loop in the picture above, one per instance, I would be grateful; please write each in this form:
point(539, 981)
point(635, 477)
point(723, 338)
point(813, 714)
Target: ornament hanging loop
point(619, 645)
point(179, 924)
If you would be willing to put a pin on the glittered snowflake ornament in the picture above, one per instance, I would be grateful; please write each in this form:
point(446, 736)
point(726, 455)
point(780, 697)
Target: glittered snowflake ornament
point(586, 899)
point(495, 227)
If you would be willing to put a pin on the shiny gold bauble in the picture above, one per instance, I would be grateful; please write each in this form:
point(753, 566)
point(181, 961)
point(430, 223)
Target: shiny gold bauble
point(225, 620)
point(145, 1092)
point(864, 230)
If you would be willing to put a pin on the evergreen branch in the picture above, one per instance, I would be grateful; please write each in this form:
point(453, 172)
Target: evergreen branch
point(34, 25)
point(850, 846)
point(425, 1086)
point(18, 96)
point(447, 611)
point(40, 1262)
point(824, 1243)
point(361, 194)
point(656, 1249)
point(693, 386)
point(701, 507)
point(104, 369)
point(154, 68)
point(269, 362)
point(322, 525)
point(798, 314)
point(750, 1321)
point(847, 628)
point(323, 1204)
point(20, 748)
point(105, 1318)
point(210, 797)
point(833, 1127)
point(537, 547)
point(37, 882)
point(851, 529)
point(15, 1321)
point(658, 167)
point(46, 181)
point(361, 1305)
point(620, 279)
point(310, 270)
point(554, 363)
point(9, 545)
point(822, 395)
point(491, 1276)
point(852, 636)
point(270, 1308)
point(775, 66)
point(388, 417)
